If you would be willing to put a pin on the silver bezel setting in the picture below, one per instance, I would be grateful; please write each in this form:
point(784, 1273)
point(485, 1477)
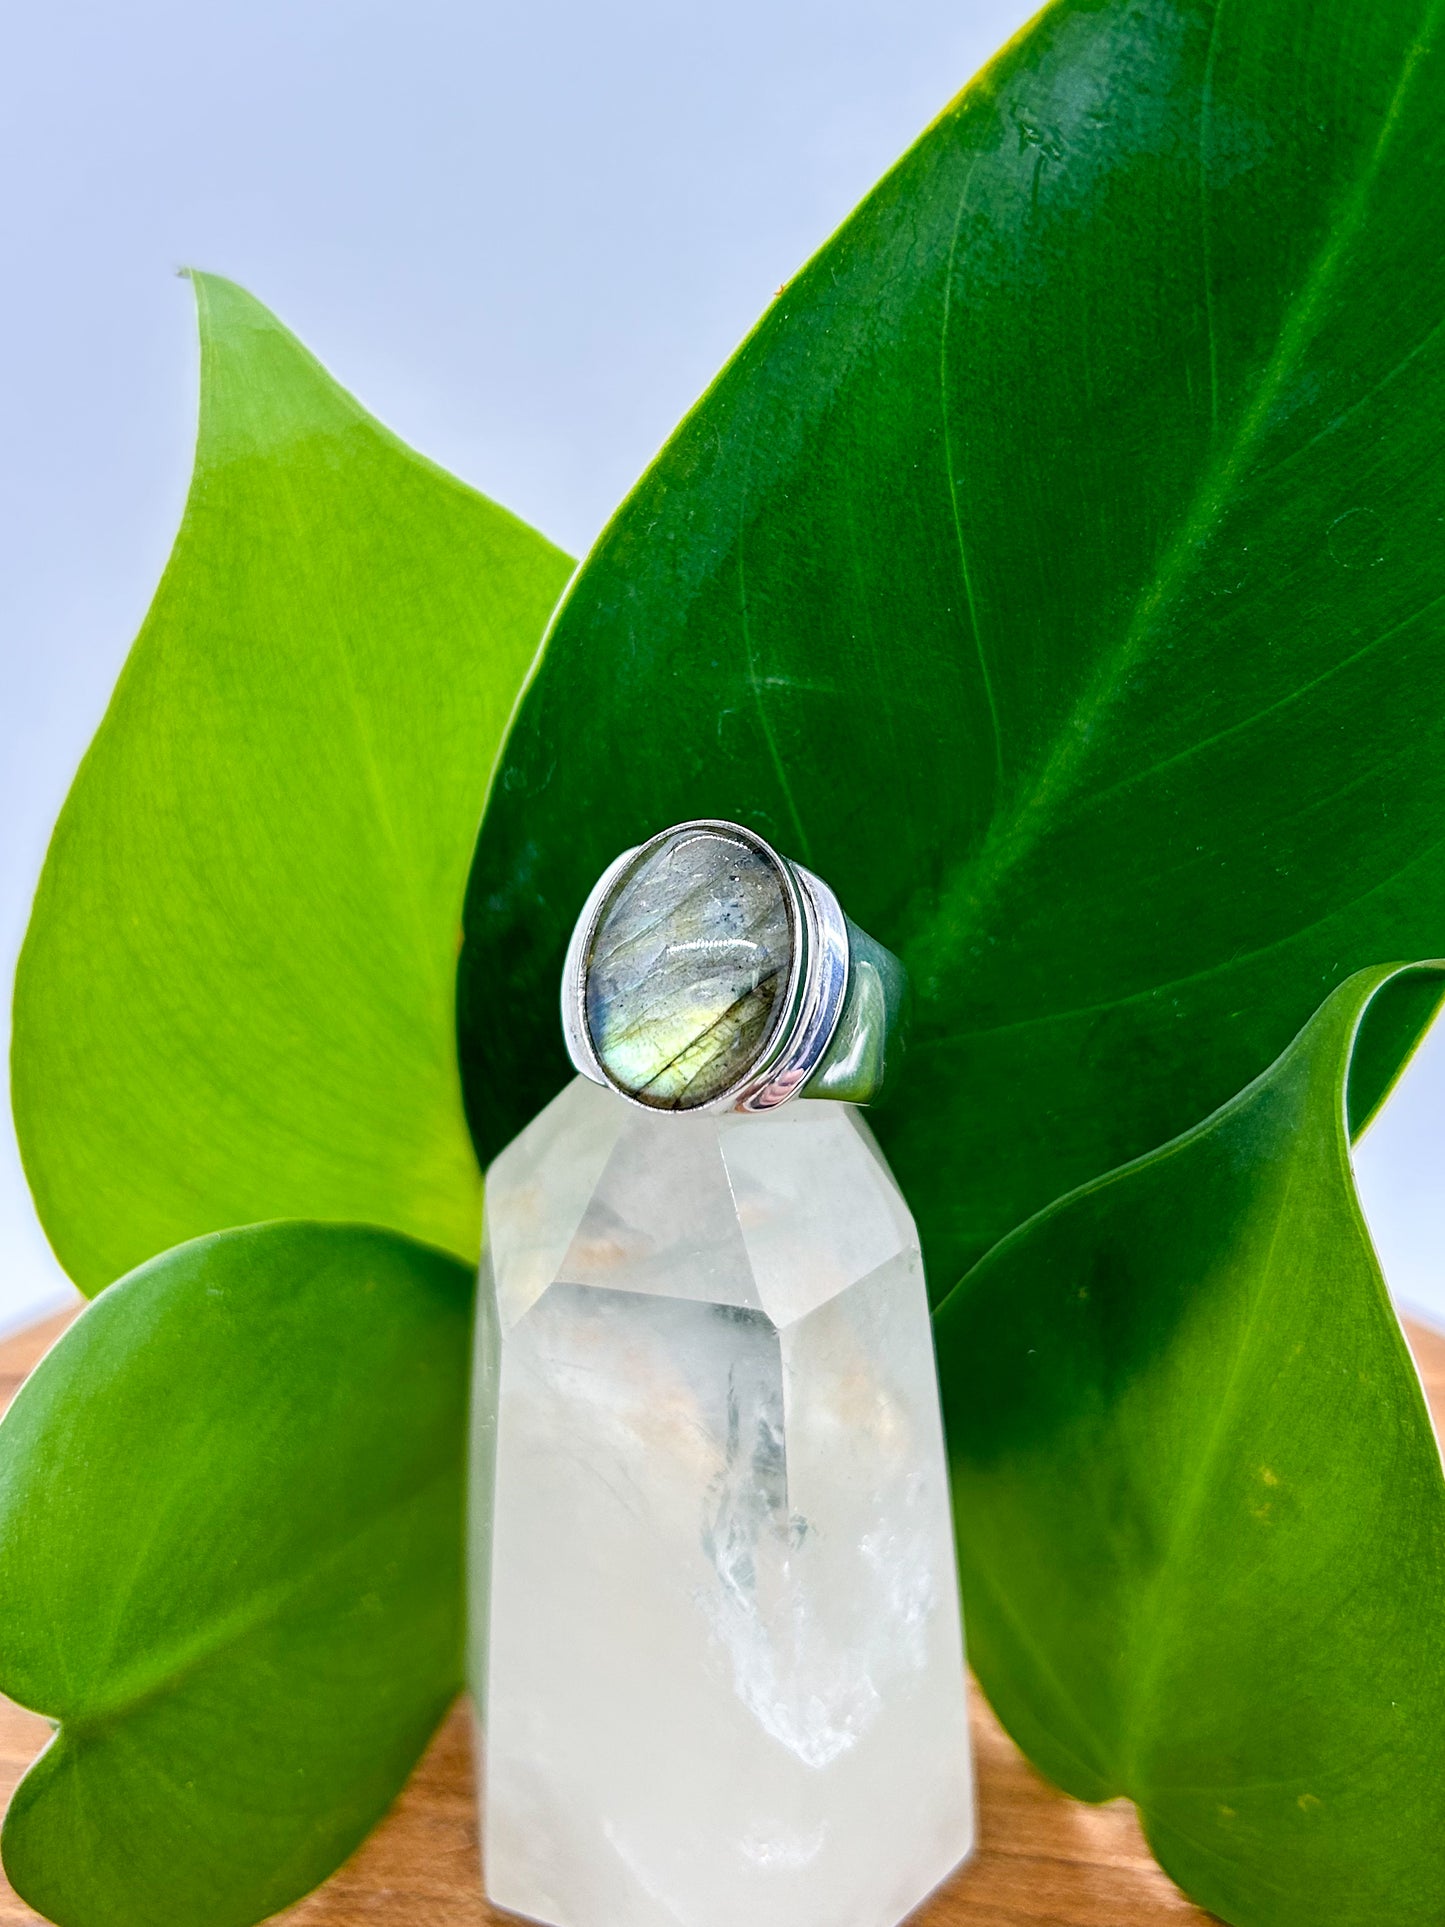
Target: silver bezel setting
point(812, 1001)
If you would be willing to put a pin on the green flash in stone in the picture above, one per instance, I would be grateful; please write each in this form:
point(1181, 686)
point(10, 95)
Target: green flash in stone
point(689, 967)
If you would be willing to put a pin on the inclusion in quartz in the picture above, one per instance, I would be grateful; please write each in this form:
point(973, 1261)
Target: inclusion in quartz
point(716, 1635)
point(688, 968)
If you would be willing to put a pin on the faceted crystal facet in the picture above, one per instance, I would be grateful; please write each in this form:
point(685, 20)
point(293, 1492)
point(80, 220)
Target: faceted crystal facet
point(722, 1674)
point(688, 968)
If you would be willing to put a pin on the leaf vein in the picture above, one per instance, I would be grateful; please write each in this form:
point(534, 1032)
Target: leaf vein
point(949, 466)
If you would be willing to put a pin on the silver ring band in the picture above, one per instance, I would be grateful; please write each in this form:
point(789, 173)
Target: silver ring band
point(834, 1011)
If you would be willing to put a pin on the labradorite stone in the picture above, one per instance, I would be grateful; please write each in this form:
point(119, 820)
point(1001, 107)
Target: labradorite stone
point(688, 969)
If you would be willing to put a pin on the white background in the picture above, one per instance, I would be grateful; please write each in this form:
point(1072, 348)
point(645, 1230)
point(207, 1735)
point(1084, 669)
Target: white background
point(526, 238)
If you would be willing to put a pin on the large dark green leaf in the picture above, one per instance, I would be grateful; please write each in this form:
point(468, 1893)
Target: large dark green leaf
point(1059, 571)
point(235, 999)
point(1200, 1507)
point(231, 1505)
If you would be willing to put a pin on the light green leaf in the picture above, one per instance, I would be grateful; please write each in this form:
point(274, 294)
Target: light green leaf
point(231, 1507)
point(1058, 571)
point(235, 999)
point(1200, 1509)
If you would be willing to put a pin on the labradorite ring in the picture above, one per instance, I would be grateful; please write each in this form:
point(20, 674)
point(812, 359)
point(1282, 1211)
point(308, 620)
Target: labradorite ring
point(708, 973)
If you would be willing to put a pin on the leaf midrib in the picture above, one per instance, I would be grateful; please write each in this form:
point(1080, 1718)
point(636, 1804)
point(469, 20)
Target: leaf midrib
point(165, 1672)
point(431, 960)
point(1147, 1648)
point(1010, 840)
point(952, 1038)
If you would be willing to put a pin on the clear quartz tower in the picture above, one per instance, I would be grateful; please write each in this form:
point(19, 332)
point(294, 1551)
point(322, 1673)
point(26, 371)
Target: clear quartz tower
point(716, 1636)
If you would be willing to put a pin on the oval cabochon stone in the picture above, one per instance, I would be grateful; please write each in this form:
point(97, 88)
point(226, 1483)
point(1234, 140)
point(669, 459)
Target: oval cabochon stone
point(688, 968)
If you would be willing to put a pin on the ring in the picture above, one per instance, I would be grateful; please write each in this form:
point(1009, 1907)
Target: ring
point(708, 973)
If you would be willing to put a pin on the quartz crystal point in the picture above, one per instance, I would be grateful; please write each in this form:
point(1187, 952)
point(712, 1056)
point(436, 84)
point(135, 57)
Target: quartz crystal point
point(716, 1635)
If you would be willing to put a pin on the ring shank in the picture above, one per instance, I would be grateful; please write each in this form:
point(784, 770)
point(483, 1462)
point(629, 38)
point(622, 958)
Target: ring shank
point(867, 1045)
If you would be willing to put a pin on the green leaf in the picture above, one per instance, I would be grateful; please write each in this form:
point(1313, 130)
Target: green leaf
point(1200, 1507)
point(235, 999)
point(1057, 571)
point(231, 1507)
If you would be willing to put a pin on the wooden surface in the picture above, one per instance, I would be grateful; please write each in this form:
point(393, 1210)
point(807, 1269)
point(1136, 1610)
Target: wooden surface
point(1042, 1860)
